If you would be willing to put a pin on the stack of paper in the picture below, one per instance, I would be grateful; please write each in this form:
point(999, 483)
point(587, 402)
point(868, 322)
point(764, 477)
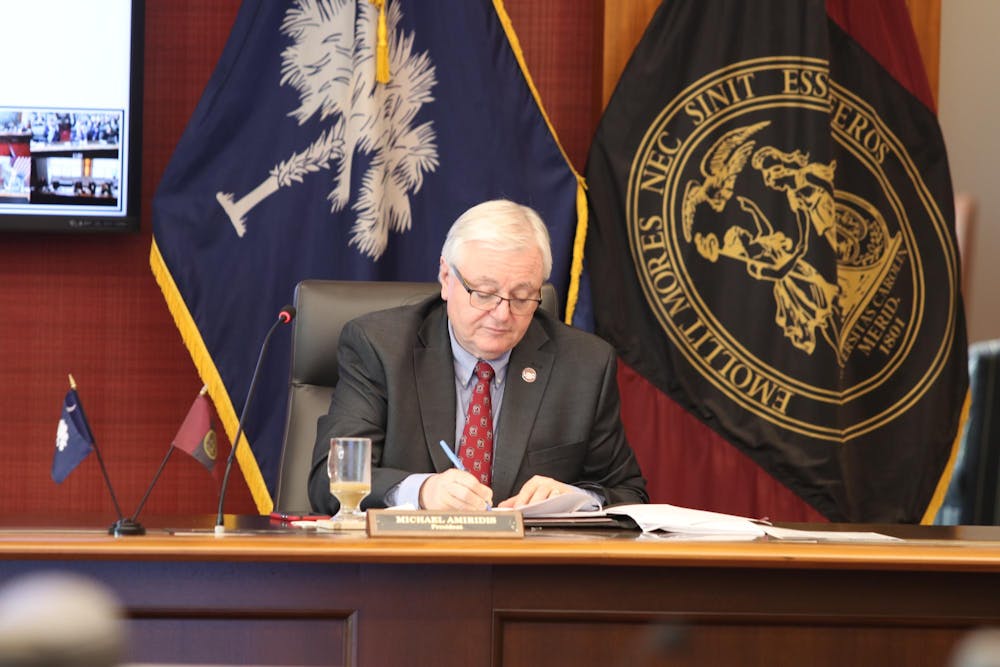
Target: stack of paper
point(688, 521)
point(703, 524)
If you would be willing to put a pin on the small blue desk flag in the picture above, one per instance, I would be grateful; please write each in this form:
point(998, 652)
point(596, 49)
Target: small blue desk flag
point(73, 438)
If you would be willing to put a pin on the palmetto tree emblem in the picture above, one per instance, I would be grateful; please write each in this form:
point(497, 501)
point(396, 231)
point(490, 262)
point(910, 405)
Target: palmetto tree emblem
point(331, 63)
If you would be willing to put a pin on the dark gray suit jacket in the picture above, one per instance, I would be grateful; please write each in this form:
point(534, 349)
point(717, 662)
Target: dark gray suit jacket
point(397, 387)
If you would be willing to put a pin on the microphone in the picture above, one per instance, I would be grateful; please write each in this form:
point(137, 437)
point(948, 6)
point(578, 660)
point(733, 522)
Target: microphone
point(285, 315)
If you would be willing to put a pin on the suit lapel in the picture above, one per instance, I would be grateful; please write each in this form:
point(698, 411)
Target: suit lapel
point(522, 398)
point(434, 379)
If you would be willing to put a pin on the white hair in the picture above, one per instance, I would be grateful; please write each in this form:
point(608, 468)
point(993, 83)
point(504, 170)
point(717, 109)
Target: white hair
point(504, 226)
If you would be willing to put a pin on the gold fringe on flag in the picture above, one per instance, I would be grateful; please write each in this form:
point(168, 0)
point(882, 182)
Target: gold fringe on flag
point(937, 500)
point(209, 374)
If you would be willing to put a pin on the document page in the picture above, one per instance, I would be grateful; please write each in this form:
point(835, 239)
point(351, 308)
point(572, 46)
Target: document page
point(563, 504)
point(688, 521)
point(793, 534)
point(683, 521)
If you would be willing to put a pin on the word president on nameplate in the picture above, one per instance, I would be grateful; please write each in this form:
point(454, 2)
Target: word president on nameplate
point(528, 405)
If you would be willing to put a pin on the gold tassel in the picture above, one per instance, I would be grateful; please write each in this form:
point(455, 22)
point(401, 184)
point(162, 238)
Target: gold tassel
point(382, 44)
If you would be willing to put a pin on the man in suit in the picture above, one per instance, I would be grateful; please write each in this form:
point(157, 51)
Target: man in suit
point(413, 376)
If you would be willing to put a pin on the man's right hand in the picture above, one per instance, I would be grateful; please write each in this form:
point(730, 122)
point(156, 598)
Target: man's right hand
point(455, 490)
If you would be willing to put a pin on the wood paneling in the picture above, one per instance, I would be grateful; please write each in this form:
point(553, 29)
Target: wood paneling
point(263, 638)
point(624, 23)
point(926, 18)
point(553, 598)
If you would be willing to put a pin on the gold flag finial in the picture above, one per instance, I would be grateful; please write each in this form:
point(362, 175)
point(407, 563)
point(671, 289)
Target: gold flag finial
point(382, 44)
point(72, 382)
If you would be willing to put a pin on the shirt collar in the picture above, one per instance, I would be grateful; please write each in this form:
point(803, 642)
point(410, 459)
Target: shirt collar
point(465, 362)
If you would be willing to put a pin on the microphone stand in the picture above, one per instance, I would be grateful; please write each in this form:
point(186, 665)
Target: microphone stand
point(142, 503)
point(286, 315)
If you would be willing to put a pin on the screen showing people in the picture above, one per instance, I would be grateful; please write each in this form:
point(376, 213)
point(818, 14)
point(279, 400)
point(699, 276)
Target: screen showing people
point(69, 115)
point(65, 157)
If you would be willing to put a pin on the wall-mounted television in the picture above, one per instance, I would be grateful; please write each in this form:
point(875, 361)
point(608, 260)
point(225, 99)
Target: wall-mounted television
point(71, 115)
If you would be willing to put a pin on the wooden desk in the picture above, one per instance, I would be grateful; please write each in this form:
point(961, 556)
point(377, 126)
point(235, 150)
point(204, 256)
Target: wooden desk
point(553, 598)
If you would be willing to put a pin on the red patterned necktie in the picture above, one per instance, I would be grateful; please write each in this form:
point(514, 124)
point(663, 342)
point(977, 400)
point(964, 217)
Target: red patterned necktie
point(476, 450)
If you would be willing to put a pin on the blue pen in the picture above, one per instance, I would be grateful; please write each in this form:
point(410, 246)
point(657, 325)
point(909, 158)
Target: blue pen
point(457, 462)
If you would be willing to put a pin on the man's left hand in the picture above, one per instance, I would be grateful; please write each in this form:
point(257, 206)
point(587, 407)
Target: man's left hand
point(536, 489)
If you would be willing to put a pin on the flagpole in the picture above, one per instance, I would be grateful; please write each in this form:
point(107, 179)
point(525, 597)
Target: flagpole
point(122, 526)
point(163, 464)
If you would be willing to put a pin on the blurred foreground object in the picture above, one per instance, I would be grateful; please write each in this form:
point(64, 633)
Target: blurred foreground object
point(55, 618)
point(979, 648)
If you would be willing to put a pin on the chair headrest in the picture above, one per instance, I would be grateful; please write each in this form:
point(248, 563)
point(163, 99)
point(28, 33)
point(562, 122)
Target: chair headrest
point(323, 307)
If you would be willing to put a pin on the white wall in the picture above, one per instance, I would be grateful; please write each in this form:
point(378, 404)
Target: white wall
point(969, 112)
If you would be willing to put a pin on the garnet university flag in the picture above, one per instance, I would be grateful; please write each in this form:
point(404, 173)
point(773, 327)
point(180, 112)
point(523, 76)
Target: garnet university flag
point(339, 139)
point(196, 436)
point(772, 224)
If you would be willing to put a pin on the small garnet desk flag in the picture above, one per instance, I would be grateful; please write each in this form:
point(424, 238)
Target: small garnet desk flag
point(195, 437)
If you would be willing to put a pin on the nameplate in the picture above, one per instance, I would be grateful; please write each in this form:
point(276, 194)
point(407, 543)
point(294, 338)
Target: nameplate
point(422, 523)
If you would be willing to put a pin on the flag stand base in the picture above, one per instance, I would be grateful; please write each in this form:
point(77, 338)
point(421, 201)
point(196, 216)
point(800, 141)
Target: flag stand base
point(126, 527)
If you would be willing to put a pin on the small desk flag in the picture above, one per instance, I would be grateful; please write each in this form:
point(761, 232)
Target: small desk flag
point(73, 438)
point(196, 436)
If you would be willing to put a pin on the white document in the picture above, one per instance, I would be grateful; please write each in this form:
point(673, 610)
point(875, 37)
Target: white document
point(700, 523)
point(688, 521)
point(563, 504)
point(792, 534)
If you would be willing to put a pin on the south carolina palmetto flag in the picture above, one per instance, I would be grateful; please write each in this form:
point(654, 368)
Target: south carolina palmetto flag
point(772, 222)
point(74, 441)
point(316, 153)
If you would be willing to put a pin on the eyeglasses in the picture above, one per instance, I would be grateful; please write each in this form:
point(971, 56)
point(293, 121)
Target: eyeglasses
point(489, 301)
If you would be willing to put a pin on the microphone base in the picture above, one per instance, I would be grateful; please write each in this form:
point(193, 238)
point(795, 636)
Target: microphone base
point(126, 527)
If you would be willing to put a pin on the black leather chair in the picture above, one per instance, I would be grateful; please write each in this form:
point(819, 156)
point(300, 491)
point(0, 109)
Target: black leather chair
point(323, 307)
point(973, 497)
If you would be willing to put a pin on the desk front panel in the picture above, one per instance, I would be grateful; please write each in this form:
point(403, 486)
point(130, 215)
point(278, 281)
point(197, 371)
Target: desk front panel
point(554, 599)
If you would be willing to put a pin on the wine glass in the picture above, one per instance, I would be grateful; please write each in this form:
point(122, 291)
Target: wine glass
point(350, 468)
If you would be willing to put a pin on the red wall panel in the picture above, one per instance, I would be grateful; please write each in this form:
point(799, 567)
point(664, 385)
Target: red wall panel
point(89, 305)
